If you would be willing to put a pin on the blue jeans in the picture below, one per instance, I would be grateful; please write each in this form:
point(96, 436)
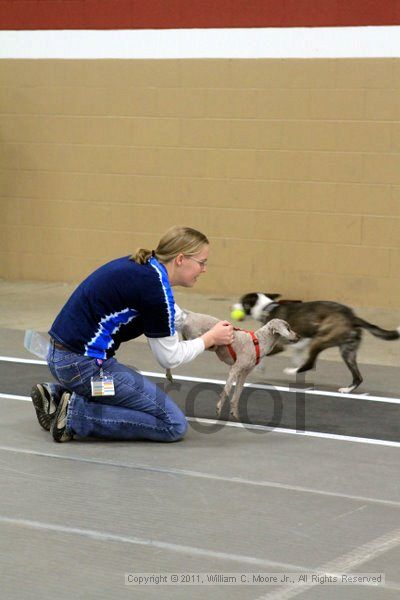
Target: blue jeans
point(138, 410)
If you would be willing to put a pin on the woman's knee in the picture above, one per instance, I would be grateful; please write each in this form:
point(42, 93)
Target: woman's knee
point(179, 429)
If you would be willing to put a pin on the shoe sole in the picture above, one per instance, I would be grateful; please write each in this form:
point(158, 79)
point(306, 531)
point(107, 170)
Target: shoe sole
point(42, 415)
point(59, 434)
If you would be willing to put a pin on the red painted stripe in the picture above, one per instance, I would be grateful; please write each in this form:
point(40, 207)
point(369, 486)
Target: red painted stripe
point(177, 14)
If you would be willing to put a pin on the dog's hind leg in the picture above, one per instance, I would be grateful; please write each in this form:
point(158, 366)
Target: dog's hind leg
point(348, 351)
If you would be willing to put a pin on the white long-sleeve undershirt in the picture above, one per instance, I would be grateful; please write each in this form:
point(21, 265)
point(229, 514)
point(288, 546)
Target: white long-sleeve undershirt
point(170, 352)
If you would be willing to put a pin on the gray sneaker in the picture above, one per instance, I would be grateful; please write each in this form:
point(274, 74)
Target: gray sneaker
point(59, 422)
point(44, 405)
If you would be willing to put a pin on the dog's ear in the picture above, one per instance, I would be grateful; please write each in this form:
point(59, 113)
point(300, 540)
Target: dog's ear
point(279, 326)
point(276, 326)
point(272, 296)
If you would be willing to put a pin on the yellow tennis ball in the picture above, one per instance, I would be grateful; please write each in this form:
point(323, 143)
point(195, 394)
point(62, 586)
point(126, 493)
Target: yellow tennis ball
point(237, 314)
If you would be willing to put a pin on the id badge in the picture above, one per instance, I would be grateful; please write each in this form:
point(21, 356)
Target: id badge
point(102, 385)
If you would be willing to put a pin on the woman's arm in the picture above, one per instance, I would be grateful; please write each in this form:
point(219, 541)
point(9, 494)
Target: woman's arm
point(171, 352)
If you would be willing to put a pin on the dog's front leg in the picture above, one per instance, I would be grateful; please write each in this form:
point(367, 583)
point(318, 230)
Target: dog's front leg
point(225, 392)
point(240, 381)
point(299, 351)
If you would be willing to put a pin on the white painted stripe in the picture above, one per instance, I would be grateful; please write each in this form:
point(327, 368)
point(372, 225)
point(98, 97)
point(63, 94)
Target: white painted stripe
point(343, 564)
point(178, 548)
point(317, 434)
point(275, 42)
point(257, 386)
point(13, 397)
point(250, 426)
point(281, 388)
point(202, 475)
point(29, 361)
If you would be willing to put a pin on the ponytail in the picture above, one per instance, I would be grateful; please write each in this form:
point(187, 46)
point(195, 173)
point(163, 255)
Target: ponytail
point(141, 256)
point(177, 240)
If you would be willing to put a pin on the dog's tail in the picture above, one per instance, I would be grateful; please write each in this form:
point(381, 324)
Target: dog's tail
point(384, 334)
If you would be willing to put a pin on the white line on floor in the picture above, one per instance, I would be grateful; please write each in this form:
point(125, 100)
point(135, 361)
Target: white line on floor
point(201, 475)
point(258, 386)
point(181, 549)
point(342, 564)
point(318, 434)
point(29, 361)
point(250, 426)
point(14, 397)
point(281, 388)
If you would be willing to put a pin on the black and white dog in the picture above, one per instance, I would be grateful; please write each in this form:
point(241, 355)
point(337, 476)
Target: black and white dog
point(320, 324)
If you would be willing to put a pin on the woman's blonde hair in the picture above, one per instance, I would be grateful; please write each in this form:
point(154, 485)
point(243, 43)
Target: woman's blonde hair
point(177, 240)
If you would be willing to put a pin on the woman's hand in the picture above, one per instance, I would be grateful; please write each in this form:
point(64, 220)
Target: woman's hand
point(220, 335)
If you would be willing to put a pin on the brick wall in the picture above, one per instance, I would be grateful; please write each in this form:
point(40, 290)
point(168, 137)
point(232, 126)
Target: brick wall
point(291, 167)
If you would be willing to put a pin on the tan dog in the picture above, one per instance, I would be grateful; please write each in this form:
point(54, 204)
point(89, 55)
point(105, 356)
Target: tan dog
point(245, 349)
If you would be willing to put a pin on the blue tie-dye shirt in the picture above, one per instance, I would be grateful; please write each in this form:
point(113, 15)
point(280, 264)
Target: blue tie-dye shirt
point(118, 302)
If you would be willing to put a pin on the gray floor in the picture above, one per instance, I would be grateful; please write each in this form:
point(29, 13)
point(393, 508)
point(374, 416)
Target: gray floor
point(76, 517)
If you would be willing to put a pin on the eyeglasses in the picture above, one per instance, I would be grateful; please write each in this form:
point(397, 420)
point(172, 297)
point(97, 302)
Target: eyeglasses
point(202, 263)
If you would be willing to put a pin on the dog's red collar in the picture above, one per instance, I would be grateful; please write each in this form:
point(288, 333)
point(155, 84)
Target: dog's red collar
point(255, 342)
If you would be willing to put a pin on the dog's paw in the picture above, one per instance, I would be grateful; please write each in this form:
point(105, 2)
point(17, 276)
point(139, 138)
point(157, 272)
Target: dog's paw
point(290, 370)
point(347, 390)
point(235, 414)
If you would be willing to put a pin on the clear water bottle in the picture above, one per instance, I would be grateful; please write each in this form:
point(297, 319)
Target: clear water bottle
point(36, 343)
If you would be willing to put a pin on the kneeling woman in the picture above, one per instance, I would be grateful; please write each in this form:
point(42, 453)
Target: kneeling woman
point(96, 396)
